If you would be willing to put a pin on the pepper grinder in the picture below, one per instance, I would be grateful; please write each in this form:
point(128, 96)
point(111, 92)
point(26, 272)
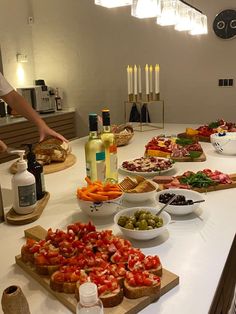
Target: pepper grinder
point(1, 207)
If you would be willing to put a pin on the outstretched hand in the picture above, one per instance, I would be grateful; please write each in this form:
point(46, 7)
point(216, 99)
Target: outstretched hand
point(45, 131)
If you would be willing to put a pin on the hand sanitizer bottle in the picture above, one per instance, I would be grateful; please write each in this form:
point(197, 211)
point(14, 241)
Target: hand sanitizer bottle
point(89, 302)
point(24, 187)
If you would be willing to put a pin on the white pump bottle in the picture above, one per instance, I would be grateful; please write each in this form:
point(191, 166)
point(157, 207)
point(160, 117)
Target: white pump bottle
point(24, 187)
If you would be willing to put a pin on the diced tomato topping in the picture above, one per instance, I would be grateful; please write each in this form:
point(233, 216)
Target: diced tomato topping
point(41, 260)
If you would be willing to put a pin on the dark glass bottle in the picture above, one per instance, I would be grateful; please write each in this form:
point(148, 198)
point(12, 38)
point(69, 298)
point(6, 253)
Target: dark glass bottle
point(36, 169)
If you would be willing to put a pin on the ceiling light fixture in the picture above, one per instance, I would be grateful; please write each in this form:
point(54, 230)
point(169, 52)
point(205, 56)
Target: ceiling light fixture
point(168, 13)
point(146, 8)
point(113, 3)
point(179, 13)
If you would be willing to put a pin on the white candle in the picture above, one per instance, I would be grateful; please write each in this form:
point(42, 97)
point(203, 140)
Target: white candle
point(128, 80)
point(147, 79)
point(150, 72)
point(135, 80)
point(131, 80)
point(139, 80)
point(157, 84)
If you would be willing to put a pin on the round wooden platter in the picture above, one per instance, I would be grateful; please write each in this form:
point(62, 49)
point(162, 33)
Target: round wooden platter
point(13, 218)
point(53, 167)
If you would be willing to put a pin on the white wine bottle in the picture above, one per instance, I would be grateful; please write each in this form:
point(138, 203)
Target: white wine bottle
point(109, 141)
point(95, 152)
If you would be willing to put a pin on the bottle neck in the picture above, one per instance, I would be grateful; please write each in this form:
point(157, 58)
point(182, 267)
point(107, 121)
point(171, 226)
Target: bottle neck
point(93, 134)
point(106, 129)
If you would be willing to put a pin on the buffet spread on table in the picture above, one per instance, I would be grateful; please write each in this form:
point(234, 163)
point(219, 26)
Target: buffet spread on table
point(134, 256)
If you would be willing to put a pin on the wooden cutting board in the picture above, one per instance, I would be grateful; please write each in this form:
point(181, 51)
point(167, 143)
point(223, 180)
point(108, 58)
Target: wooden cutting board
point(199, 137)
point(15, 219)
point(128, 306)
point(214, 187)
point(53, 167)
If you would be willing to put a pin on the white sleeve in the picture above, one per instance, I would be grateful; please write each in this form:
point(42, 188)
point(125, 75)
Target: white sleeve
point(5, 87)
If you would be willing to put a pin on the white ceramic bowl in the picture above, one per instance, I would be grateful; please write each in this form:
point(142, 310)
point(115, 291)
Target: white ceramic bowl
point(181, 209)
point(224, 144)
point(142, 234)
point(141, 197)
point(100, 209)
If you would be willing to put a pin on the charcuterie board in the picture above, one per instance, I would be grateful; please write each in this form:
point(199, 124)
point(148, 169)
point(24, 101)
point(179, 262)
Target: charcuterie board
point(128, 306)
point(52, 167)
point(178, 149)
point(212, 188)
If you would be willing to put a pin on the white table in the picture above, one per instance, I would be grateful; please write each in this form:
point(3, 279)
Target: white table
point(195, 246)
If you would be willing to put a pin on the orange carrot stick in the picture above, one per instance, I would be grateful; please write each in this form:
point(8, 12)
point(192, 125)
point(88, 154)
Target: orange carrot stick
point(85, 197)
point(87, 179)
point(97, 197)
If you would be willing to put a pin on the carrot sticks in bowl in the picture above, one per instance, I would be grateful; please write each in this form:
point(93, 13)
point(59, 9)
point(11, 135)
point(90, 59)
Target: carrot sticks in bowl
point(98, 192)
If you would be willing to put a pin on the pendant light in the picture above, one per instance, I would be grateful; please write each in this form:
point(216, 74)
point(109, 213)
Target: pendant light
point(168, 13)
point(199, 25)
point(184, 17)
point(113, 3)
point(146, 8)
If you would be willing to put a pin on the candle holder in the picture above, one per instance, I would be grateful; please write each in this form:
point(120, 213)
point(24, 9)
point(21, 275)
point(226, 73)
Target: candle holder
point(157, 96)
point(131, 97)
point(149, 106)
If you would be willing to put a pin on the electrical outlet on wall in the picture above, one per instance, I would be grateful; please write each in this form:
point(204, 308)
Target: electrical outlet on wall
point(226, 82)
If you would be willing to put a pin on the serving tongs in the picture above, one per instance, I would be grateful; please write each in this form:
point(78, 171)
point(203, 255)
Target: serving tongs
point(168, 203)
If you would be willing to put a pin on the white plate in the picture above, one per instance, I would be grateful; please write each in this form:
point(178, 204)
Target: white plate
point(147, 174)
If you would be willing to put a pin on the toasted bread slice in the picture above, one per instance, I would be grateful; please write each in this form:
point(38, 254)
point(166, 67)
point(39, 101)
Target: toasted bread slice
point(26, 256)
point(46, 270)
point(61, 286)
point(112, 299)
point(156, 271)
point(141, 291)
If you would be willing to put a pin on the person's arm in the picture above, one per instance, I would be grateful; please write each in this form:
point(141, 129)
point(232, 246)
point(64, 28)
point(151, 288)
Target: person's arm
point(20, 105)
point(3, 147)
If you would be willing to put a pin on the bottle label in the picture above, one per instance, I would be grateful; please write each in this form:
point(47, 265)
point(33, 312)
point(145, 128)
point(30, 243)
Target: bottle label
point(100, 156)
point(42, 182)
point(113, 149)
point(113, 164)
point(101, 170)
point(88, 170)
point(27, 195)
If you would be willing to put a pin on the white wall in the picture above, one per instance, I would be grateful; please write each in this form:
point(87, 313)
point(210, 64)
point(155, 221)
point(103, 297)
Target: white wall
point(85, 49)
point(16, 37)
